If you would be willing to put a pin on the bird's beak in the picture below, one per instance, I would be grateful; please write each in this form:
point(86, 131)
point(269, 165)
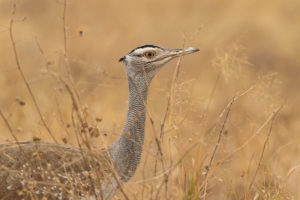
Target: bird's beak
point(191, 50)
point(173, 53)
point(181, 52)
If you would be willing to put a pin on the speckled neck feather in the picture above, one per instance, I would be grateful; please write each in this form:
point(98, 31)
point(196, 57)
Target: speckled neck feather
point(126, 152)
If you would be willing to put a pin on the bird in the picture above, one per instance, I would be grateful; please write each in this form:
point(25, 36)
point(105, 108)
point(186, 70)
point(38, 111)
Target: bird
point(44, 170)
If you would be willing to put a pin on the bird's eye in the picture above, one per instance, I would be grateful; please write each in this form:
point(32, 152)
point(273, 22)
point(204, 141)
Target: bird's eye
point(150, 54)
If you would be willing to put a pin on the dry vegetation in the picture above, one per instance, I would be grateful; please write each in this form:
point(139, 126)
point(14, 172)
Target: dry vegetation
point(226, 123)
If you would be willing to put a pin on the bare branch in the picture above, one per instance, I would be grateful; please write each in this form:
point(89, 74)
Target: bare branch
point(15, 137)
point(23, 76)
point(264, 147)
point(216, 147)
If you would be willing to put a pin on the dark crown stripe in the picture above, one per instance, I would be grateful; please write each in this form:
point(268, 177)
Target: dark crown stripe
point(122, 59)
point(145, 46)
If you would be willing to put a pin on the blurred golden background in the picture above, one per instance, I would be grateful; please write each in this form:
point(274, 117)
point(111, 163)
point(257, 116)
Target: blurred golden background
point(248, 45)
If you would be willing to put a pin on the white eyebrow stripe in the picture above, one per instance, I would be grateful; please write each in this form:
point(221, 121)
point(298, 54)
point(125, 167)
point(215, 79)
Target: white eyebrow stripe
point(143, 50)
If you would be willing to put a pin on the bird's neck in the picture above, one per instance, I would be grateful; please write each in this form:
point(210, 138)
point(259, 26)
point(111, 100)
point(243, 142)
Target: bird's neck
point(127, 150)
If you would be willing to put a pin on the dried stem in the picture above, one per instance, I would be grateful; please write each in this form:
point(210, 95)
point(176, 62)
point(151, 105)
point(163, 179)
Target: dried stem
point(15, 137)
point(64, 27)
point(220, 134)
point(174, 82)
point(248, 140)
point(66, 58)
point(264, 147)
point(205, 113)
point(217, 146)
point(228, 107)
point(172, 168)
point(162, 125)
point(23, 76)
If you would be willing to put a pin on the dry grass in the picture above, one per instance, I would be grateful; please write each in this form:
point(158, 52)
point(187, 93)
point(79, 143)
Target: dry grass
point(216, 131)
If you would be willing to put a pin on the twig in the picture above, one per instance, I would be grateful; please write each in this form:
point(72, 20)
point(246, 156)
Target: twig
point(220, 133)
point(23, 76)
point(54, 76)
point(171, 168)
point(64, 27)
point(248, 140)
point(205, 113)
point(168, 113)
point(66, 59)
point(264, 147)
point(176, 164)
point(174, 81)
point(170, 97)
point(222, 113)
point(15, 137)
point(217, 146)
point(143, 173)
point(162, 124)
point(115, 175)
point(228, 107)
point(83, 122)
point(76, 130)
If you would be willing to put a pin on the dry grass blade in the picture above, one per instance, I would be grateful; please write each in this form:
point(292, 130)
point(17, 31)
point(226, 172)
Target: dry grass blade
point(264, 146)
point(174, 84)
point(210, 99)
point(208, 168)
point(23, 76)
point(257, 132)
point(14, 136)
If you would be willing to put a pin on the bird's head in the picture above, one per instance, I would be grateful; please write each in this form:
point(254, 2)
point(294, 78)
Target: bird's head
point(148, 59)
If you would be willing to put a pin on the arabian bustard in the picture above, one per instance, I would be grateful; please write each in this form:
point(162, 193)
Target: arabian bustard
point(39, 170)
